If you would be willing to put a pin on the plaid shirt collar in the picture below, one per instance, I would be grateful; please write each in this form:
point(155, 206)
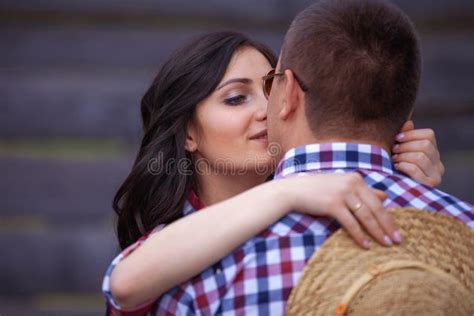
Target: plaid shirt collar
point(330, 156)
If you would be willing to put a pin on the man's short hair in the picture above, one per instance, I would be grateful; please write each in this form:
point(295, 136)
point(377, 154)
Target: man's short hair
point(361, 62)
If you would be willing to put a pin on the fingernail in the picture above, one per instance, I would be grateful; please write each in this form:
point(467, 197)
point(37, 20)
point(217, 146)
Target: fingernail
point(387, 240)
point(396, 147)
point(366, 245)
point(400, 136)
point(397, 237)
point(394, 157)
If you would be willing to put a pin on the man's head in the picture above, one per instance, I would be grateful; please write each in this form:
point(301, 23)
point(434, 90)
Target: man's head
point(359, 62)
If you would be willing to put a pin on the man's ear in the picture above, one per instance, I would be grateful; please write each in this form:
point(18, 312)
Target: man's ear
point(190, 144)
point(293, 96)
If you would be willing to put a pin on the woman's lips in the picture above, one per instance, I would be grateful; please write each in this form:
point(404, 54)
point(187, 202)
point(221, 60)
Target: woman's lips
point(260, 137)
point(260, 134)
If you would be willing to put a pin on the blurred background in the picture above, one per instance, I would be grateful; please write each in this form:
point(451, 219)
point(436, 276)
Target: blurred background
point(72, 74)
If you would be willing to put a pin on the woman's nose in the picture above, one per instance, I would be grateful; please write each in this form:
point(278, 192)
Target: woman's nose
point(261, 110)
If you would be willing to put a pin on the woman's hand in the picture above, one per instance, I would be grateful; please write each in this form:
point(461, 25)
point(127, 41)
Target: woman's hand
point(416, 154)
point(347, 198)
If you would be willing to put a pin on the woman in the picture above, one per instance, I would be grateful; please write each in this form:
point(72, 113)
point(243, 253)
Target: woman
point(204, 120)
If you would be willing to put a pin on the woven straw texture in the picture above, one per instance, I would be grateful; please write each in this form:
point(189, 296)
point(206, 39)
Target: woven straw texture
point(430, 273)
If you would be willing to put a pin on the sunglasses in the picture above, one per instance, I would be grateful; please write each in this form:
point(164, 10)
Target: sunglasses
point(268, 82)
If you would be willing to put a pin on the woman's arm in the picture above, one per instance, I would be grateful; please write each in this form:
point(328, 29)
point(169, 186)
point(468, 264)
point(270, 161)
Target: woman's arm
point(188, 246)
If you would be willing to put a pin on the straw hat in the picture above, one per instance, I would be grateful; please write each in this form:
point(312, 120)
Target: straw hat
point(430, 273)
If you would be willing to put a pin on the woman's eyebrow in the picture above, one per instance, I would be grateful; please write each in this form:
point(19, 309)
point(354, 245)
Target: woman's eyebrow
point(241, 80)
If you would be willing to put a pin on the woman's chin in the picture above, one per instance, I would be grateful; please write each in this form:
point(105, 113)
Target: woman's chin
point(260, 141)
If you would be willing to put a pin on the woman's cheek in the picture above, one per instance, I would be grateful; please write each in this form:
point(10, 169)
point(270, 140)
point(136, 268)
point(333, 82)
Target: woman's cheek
point(231, 124)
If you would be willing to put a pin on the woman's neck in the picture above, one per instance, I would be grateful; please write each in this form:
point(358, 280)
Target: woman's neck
point(214, 188)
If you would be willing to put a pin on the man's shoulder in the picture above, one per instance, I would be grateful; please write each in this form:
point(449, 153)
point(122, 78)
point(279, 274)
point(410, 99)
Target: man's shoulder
point(401, 186)
point(403, 191)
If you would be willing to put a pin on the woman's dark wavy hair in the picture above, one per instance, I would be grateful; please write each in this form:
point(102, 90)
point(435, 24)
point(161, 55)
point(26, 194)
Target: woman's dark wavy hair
point(147, 198)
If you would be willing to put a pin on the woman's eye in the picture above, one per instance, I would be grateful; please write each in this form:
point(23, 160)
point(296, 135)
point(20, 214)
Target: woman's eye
point(236, 100)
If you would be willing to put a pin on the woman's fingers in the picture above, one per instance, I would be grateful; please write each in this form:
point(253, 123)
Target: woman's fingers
point(432, 171)
point(366, 207)
point(383, 217)
point(421, 160)
point(414, 172)
point(421, 141)
point(408, 126)
point(418, 158)
point(423, 145)
point(350, 223)
point(413, 147)
point(419, 167)
point(380, 194)
point(374, 218)
point(365, 217)
point(409, 135)
point(420, 155)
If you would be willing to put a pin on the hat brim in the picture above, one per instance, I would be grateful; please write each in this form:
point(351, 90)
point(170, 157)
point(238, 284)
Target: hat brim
point(434, 261)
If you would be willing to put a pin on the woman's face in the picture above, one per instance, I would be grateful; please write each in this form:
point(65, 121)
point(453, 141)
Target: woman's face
point(229, 131)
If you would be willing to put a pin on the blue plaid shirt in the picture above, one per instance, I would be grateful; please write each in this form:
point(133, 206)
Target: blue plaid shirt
point(257, 278)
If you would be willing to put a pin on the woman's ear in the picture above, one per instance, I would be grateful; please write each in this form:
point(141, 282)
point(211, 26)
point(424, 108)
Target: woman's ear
point(291, 97)
point(190, 144)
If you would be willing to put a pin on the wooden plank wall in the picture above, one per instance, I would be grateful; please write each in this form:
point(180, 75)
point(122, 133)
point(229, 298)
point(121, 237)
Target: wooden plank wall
point(71, 77)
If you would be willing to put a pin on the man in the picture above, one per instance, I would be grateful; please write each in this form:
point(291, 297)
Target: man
point(346, 81)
